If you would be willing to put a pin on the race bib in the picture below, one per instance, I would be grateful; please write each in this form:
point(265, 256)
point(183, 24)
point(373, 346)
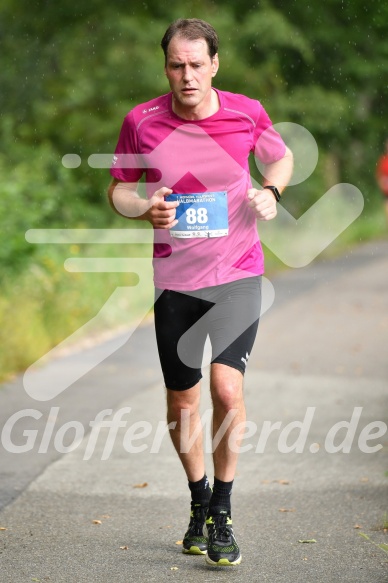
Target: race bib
point(202, 214)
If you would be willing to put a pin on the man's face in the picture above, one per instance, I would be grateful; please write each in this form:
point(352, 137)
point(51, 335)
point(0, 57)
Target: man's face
point(190, 70)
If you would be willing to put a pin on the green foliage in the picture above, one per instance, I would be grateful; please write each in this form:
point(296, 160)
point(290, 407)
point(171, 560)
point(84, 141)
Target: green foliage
point(44, 304)
point(36, 191)
point(71, 72)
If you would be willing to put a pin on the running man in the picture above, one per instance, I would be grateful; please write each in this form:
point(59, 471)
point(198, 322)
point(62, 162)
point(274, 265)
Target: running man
point(193, 145)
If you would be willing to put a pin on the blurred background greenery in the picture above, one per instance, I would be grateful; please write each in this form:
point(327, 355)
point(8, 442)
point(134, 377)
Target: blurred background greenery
point(70, 71)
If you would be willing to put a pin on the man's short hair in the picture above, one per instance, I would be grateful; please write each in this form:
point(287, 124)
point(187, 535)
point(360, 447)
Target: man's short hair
point(191, 29)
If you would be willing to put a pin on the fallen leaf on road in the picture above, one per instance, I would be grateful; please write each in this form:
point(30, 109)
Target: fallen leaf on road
point(282, 482)
point(179, 542)
point(173, 568)
point(97, 522)
point(307, 540)
point(125, 548)
point(286, 509)
point(2, 528)
point(357, 526)
point(143, 485)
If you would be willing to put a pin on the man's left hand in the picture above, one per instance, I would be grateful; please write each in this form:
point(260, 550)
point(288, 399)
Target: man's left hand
point(263, 203)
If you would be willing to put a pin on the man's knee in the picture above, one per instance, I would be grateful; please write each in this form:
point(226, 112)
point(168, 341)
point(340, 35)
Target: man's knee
point(227, 399)
point(227, 390)
point(178, 401)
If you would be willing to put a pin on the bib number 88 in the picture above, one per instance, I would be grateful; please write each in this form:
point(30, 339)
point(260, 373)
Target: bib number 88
point(196, 216)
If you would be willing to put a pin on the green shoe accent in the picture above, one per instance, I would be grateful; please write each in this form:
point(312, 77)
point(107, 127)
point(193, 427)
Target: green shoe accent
point(194, 541)
point(224, 562)
point(193, 550)
point(222, 548)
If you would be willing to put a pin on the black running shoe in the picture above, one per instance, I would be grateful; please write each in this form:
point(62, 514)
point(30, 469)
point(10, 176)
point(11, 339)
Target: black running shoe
point(222, 548)
point(194, 541)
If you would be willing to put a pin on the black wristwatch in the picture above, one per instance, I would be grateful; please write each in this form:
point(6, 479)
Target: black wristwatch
point(274, 191)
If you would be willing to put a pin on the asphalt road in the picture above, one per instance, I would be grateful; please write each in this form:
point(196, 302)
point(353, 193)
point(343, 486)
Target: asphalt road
point(315, 466)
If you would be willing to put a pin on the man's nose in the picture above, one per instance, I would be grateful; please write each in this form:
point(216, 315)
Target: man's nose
point(187, 73)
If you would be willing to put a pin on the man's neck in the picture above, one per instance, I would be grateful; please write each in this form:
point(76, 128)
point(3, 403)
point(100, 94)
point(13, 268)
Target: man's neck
point(204, 110)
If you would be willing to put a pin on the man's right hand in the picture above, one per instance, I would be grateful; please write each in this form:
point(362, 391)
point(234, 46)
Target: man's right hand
point(161, 214)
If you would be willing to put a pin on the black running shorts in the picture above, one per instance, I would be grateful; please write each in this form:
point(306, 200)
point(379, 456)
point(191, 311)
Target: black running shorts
point(228, 314)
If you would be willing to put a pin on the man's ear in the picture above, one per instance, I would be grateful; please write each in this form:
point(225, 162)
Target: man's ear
point(215, 64)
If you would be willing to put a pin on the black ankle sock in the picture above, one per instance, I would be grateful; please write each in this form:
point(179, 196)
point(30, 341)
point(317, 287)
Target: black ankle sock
point(221, 495)
point(200, 491)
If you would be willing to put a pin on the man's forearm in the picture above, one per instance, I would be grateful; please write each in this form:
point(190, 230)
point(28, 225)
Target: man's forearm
point(279, 173)
point(125, 201)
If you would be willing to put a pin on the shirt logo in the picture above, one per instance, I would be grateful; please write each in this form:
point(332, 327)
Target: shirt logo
point(151, 109)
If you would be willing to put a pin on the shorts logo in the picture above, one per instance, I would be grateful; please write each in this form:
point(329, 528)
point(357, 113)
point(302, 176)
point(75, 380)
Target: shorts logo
point(245, 360)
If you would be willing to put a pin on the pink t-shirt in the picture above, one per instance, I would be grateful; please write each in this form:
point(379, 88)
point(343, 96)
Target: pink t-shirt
point(208, 155)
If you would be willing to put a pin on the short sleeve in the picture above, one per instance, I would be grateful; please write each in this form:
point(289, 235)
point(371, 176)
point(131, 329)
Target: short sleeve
point(268, 145)
point(126, 164)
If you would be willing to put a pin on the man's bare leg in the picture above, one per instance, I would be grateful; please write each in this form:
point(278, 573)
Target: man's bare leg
point(226, 384)
point(183, 408)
